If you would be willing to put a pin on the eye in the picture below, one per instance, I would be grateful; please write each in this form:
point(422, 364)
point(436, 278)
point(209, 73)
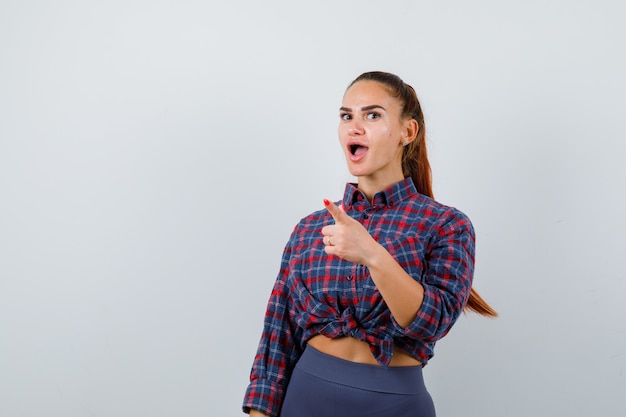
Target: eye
point(373, 115)
point(345, 116)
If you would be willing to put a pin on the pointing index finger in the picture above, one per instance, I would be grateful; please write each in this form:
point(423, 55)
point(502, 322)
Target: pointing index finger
point(335, 211)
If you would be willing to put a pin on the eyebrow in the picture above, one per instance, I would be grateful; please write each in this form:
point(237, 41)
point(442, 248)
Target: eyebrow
point(366, 108)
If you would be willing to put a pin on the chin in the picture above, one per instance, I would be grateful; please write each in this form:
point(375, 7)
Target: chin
point(355, 171)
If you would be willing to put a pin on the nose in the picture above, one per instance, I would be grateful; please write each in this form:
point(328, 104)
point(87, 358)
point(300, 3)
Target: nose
point(356, 128)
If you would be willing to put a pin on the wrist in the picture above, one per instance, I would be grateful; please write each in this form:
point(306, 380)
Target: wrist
point(377, 257)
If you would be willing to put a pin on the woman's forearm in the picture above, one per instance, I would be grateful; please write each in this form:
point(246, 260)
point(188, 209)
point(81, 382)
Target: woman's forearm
point(402, 294)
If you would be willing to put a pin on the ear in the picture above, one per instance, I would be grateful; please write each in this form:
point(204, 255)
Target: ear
point(410, 128)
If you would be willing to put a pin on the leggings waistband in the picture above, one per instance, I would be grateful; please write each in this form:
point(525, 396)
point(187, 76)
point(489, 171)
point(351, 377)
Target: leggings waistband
point(393, 379)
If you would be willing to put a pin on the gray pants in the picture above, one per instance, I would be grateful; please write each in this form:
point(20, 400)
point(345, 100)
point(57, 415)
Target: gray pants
point(322, 385)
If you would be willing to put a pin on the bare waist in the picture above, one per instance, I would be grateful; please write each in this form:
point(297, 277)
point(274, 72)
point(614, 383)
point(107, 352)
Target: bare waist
point(354, 350)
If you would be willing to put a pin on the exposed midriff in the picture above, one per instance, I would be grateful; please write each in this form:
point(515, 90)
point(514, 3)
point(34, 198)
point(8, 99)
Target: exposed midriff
point(354, 350)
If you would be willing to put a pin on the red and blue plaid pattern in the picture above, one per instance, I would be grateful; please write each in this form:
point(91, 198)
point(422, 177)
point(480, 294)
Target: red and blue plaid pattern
point(320, 294)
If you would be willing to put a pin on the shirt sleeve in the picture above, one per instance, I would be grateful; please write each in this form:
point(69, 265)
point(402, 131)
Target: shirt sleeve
point(279, 347)
point(447, 281)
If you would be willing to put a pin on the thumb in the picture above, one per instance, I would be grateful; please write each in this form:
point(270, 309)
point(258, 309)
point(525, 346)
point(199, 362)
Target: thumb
point(337, 212)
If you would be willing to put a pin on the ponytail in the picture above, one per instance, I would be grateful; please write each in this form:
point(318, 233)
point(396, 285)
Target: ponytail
point(478, 305)
point(415, 157)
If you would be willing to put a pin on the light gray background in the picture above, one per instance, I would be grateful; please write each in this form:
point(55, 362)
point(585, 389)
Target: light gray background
point(155, 155)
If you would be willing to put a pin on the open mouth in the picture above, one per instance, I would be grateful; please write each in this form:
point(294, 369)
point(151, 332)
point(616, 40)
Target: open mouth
point(357, 149)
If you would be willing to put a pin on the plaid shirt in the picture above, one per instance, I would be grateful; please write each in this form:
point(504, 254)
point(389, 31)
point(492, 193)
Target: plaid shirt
point(320, 294)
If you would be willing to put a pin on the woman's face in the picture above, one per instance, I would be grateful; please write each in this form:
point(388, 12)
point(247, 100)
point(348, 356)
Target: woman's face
point(371, 133)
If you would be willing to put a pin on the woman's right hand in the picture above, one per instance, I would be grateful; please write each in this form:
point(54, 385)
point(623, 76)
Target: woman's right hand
point(257, 413)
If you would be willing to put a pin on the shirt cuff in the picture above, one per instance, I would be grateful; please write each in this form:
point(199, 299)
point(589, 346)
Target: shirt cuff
point(263, 395)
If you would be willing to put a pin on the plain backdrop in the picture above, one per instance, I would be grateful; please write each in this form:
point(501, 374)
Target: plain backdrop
point(155, 156)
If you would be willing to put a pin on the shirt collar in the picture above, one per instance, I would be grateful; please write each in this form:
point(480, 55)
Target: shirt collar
point(390, 196)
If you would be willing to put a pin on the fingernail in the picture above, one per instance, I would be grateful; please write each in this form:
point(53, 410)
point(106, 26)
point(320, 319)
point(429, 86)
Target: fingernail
point(326, 202)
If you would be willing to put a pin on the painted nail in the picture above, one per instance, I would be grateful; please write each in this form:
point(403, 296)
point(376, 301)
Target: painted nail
point(326, 202)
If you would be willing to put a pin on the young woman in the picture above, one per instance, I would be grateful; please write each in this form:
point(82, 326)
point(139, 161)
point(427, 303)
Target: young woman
point(369, 284)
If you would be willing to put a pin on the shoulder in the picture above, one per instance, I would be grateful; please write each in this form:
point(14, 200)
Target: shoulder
point(313, 220)
point(309, 226)
point(439, 215)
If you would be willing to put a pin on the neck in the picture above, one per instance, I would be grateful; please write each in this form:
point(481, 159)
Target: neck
point(370, 186)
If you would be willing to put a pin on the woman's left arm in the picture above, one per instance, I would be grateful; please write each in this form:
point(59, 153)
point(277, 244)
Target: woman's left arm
point(349, 240)
point(402, 294)
point(424, 310)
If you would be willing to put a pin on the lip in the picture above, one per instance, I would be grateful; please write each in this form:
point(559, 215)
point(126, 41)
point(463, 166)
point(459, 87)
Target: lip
point(351, 156)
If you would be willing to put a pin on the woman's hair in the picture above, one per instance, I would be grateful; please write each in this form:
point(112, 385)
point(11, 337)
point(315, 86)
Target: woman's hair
point(415, 158)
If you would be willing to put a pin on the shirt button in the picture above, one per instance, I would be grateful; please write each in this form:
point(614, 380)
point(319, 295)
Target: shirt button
point(349, 277)
point(366, 216)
